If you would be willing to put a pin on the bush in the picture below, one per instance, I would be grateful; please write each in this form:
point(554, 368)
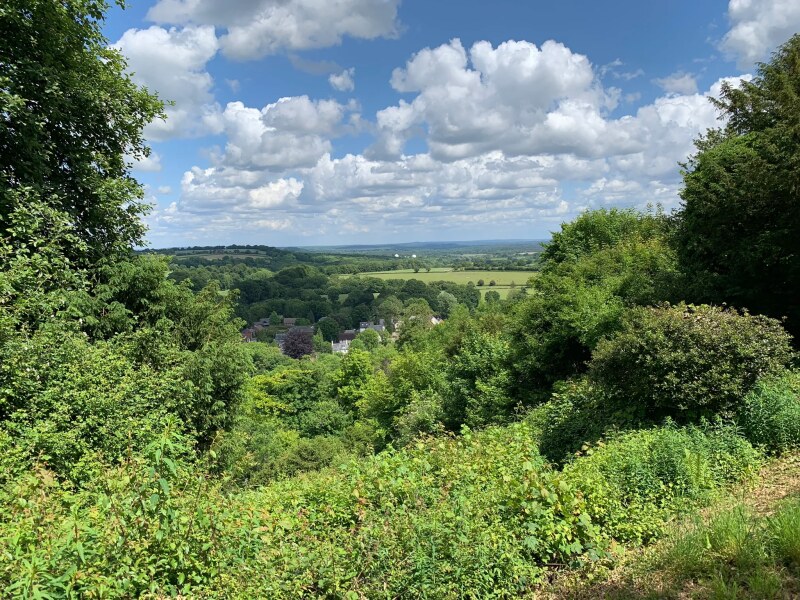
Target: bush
point(635, 481)
point(770, 414)
point(578, 413)
point(68, 402)
point(575, 303)
point(145, 528)
point(687, 361)
point(480, 512)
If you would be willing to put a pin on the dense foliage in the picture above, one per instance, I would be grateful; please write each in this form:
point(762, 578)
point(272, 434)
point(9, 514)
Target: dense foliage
point(145, 449)
point(737, 233)
point(591, 276)
point(770, 413)
point(689, 361)
point(71, 120)
point(480, 512)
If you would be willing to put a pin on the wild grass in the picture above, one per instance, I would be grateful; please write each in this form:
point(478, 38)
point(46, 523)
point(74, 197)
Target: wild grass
point(740, 548)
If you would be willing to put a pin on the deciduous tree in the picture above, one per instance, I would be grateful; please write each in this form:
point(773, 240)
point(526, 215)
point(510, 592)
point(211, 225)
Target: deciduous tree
point(71, 122)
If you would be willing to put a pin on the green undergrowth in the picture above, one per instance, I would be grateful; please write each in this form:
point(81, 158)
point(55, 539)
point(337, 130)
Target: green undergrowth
point(636, 481)
point(736, 553)
point(480, 514)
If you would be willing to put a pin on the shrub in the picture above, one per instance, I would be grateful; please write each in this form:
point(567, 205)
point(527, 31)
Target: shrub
point(576, 303)
point(480, 512)
point(770, 414)
point(578, 413)
point(689, 361)
point(634, 481)
point(146, 527)
point(66, 401)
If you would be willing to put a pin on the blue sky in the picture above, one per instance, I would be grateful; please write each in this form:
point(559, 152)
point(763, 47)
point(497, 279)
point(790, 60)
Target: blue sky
point(307, 122)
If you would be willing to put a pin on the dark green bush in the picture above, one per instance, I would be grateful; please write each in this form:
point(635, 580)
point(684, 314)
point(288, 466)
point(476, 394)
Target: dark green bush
point(687, 361)
point(573, 304)
point(770, 414)
point(578, 413)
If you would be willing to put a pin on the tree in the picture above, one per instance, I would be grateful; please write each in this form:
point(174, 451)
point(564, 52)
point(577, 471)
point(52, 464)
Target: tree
point(738, 232)
point(298, 343)
point(575, 303)
point(71, 119)
point(390, 308)
point(416, 321)
point(359, 314)
point(492, 297)
point(446, 303)
point(320, 345)
point(352, 379)
point(275, 319)
point(595, 230)
point(370, 339)
point(329, 328)
point(480, 282)
point(492, 283)
point(479, 382)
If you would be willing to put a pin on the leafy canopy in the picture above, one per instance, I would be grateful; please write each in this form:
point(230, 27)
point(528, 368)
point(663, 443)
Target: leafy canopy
point(739, 230)
point(71, 121)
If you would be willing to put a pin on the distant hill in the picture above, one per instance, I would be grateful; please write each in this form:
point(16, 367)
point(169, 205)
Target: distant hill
point(455, 247)
point(258, 256)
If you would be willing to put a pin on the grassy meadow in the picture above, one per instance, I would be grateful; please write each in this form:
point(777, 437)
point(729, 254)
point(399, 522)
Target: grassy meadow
point(503, 279)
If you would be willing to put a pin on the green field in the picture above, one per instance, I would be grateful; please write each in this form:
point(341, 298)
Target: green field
point(503, 279)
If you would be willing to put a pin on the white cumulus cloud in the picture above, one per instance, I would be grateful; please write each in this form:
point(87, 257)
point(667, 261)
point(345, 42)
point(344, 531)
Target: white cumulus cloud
point(758, 27)
point(256, 28)
point(173, 63)
point(343, 81)
point(516, 97)
point(515, 135)
point(678, 83)
point(147, 164)
point(291, 133)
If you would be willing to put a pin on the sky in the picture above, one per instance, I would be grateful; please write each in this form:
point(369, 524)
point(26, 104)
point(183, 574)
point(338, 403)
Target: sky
point(324, 122)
